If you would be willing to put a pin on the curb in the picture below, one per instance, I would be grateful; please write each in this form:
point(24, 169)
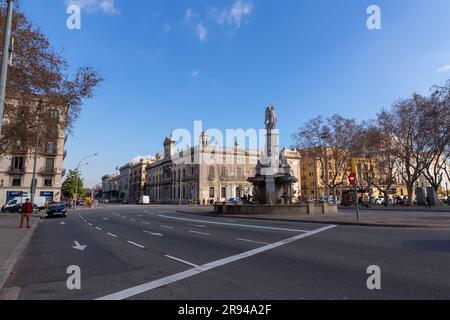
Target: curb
point(342, 223)
point(9, 264)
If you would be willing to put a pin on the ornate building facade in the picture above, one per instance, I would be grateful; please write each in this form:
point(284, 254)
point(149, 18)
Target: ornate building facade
point(206, 173)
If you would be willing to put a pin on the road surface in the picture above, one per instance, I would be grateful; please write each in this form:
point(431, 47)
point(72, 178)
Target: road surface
point(155, 252)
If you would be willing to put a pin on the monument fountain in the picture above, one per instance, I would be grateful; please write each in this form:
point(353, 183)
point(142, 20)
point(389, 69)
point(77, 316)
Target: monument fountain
point(273, 181)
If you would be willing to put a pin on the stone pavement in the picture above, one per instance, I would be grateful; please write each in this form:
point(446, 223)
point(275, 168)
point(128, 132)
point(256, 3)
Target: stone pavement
point(13, 242)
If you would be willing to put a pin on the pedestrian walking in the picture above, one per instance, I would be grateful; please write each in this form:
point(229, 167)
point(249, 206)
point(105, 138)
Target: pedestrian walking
point(427, 202)
point(25, 212)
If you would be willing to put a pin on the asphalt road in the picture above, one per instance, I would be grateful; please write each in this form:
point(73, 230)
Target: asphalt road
point(158, 253)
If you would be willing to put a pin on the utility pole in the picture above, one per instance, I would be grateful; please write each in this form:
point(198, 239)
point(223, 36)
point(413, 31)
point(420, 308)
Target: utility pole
point(36, 150)
point(5, 60)
point(180, 188)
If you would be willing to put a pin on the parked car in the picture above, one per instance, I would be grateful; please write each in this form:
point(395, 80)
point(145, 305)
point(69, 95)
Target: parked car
point(234, 201)
point(57, 209)
point(379, 201)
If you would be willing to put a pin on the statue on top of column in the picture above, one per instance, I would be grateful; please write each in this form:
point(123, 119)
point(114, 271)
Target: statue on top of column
point(271, 118)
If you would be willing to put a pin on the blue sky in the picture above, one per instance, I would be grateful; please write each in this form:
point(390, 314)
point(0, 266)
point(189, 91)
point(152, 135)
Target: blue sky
point(168, 63)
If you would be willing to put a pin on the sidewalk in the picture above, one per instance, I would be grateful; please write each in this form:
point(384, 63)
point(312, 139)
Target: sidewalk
point(375, 218)
point(13, 242)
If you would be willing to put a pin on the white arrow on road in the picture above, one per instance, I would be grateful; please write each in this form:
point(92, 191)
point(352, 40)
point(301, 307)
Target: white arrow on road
point(79, 246)
point(154, 234)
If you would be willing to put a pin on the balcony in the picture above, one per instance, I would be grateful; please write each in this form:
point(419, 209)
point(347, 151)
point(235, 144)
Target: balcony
point(47, 171)
point(17, 171)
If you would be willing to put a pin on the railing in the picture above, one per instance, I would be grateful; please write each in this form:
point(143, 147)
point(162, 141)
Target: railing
point(13, 170)
point(48, 171)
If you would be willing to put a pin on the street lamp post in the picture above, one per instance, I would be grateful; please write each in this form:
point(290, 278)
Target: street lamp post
point(77, 177)
point(36, 151)
point(324, 136)
point(5, 60)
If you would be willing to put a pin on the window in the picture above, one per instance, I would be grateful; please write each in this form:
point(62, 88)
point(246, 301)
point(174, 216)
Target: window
point(53, 130)
point(54, 114)
point(49, 164)
point(18, 163)
point(17, 182)
point(238, 172)
point(211, 171)
point(223, 172)
point(48, 181)
point(238, 192)
point(51, 147)
point(211, 192)
point(224, 192)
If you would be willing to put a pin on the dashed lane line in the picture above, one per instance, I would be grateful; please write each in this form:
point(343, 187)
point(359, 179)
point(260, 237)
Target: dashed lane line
point(134, 291)
point(252, 241)
point(182, 261)
point(112, 235)
point(198, 232)
point(136, 244)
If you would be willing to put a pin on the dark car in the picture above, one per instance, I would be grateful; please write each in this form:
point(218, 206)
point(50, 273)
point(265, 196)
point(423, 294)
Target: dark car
point(57, 209)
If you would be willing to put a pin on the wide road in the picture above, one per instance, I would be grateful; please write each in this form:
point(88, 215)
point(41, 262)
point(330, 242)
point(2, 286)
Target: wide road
point(156, 252)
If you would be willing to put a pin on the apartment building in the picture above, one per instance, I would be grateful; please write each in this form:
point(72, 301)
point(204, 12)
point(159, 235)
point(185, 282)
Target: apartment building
point(17, 163)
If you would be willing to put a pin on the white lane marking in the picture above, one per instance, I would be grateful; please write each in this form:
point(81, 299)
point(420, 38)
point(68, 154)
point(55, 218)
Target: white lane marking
point(98, 228)
point(124, 217)
point(106, 219)
point(136, 244)
point(252, 241)
point(167, 227)
point(90, 224)
point(157, 234)
point(79, 246)
point(140, 215)
point(127, 293)
point(146, 211)
point(62, 223)
point(112, 235)
point(198, 232)
point(199, 226)
point(134, 220)
point(236, 224)
point(144, 222)
point(182, 261)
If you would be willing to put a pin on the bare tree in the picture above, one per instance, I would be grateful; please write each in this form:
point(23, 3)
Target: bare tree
point(38, 72)
point(406, 127)
point(336, 143)
point(437, 129)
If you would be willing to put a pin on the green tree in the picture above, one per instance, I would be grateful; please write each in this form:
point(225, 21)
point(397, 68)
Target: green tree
point(70, 187)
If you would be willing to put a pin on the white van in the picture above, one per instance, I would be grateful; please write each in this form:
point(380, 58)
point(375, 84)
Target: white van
point(15, 204)
point(145, 200)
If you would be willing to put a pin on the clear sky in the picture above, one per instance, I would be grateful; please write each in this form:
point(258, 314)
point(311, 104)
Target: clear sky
point(170, 62)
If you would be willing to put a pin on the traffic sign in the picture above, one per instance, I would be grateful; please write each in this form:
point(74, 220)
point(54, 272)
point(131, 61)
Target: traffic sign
point(352, 178)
